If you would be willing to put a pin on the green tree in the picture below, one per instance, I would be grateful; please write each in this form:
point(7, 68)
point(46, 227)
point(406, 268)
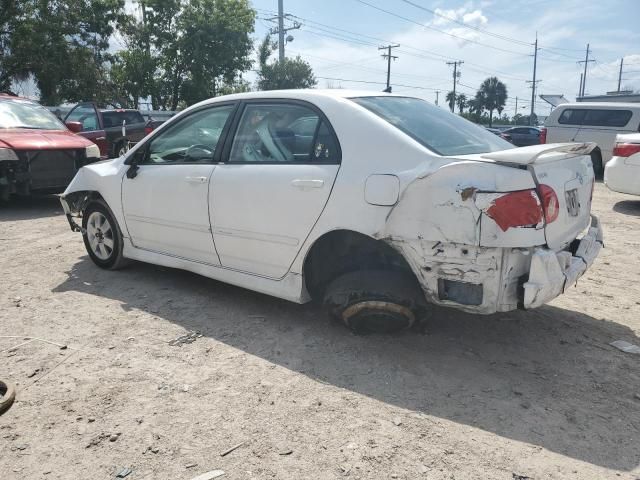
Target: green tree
point(290, 73)
point(461, 101)
point(62, 45)
point(451, 100)
point(186, 51)
point(493, 94)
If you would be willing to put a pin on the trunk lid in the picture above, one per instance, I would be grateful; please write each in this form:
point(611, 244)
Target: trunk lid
point(566, 168)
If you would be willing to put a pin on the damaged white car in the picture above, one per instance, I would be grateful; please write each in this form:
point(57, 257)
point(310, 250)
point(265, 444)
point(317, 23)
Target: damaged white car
point(374, 204)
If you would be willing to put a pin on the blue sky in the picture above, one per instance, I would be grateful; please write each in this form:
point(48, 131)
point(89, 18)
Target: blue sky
point(493, 37)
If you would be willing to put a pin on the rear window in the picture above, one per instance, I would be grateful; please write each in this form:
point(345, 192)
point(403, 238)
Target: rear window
point(437, 129)
point(595, 117)
point(113, 118)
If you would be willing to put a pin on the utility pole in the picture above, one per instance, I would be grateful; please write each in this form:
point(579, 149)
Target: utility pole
point(281, 30)
point(584, 75)
point(516, 111)
point(389, 57)
point(534, 82)
point(580, 87)
point(620, 74)
point(455, 79)
point(437, 97)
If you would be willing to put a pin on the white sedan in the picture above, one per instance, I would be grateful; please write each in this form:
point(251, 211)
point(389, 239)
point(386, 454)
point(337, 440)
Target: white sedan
point(622, 173)
point(374, 204)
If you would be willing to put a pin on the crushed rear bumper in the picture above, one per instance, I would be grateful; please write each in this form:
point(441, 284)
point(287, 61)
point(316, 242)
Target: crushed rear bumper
point(552, 273)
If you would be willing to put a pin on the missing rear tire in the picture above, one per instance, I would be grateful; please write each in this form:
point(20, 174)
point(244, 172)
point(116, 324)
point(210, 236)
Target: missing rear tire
point(375, 301)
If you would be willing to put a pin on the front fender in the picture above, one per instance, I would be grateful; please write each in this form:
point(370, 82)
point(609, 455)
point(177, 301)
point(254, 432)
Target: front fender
point(101, 179)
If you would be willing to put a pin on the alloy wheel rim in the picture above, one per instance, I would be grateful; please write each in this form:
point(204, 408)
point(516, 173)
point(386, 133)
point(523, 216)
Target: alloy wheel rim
point(100, 236)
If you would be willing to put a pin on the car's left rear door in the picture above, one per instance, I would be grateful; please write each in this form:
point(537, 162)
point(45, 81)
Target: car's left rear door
point(165, 204)
point(273, 185)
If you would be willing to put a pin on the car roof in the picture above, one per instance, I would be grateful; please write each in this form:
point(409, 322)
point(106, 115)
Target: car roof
point(625, 105)
point(308, 93)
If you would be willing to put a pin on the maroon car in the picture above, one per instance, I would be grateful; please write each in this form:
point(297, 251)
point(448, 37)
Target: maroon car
point(38, 153)
point(112, 130)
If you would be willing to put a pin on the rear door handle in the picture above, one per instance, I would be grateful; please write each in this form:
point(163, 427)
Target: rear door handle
point(305, 184)
point(196, 179)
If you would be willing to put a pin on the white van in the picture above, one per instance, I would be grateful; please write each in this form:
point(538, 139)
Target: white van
point(597, 122)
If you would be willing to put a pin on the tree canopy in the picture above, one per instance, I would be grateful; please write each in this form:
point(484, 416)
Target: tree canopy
point(277, 75)
point(177, 52)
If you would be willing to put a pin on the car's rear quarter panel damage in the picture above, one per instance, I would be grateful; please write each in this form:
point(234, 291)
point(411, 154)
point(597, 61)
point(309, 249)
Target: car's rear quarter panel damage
point(451, 244)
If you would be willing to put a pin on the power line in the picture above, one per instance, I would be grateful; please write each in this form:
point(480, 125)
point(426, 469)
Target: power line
point(472, 27)
point(436, 29)
point(372, 82)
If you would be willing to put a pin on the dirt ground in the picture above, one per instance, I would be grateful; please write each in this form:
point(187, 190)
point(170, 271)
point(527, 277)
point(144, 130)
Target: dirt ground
point(537, 394)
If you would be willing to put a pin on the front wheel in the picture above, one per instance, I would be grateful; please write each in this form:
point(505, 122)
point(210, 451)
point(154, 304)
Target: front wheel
point(102, 237)
point(375, 301)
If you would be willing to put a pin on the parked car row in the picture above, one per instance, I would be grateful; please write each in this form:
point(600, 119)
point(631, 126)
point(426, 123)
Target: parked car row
point(613, 127)
point(40, 153)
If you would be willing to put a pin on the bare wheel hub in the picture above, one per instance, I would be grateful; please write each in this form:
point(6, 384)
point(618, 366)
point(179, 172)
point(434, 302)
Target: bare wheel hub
point(378, 317)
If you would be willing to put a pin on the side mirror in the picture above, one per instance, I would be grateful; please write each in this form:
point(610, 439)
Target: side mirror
point(75, 127)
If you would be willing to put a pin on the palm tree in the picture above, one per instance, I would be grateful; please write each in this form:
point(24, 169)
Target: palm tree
point(494, 95)
point(451, 100)
point(461, 101)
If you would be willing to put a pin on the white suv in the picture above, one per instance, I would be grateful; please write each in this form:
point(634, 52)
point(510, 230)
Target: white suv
point(592, 122)
point(374, 204)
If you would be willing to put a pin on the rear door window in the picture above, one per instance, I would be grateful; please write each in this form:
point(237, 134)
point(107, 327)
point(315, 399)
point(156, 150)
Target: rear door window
point(595, 117)
point(283, 133)
point(114, 118)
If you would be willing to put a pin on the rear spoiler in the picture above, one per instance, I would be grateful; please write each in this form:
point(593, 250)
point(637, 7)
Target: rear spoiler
point(529, 155)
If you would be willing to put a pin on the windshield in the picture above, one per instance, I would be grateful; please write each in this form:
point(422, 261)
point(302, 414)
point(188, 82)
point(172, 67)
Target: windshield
point(442, 132)
point(24, 114)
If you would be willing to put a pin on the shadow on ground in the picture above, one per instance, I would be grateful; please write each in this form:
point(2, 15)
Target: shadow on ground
point(546, 377)
point(29, 208)
point(628, 207)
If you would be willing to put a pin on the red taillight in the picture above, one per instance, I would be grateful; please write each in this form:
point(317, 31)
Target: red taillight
point(626, 149)
point(543, 135)
point(516, 209)
point(550, 203)
point(148, 130)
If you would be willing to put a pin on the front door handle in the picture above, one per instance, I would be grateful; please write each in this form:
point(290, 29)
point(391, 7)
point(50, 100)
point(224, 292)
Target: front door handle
point(196, 179)
point(305, 184)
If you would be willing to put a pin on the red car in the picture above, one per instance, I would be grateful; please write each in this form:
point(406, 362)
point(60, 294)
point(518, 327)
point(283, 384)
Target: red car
point(38, 153)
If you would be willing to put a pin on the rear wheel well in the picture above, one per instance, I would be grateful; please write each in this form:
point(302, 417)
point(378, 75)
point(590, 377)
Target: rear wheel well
point(343, 251)
point(596, 160)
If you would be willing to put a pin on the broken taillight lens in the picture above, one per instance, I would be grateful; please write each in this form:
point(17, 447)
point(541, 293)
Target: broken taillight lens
point(550, 204)
point(515, 209)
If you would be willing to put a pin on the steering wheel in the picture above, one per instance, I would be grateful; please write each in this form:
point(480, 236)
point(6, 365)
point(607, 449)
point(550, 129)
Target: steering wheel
point(199, 151)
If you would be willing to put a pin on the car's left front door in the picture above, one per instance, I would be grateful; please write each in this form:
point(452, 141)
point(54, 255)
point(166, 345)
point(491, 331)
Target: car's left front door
point(165, 204)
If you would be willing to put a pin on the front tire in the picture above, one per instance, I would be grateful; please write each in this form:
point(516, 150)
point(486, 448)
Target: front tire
point(375, 301)
point(102, 237)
